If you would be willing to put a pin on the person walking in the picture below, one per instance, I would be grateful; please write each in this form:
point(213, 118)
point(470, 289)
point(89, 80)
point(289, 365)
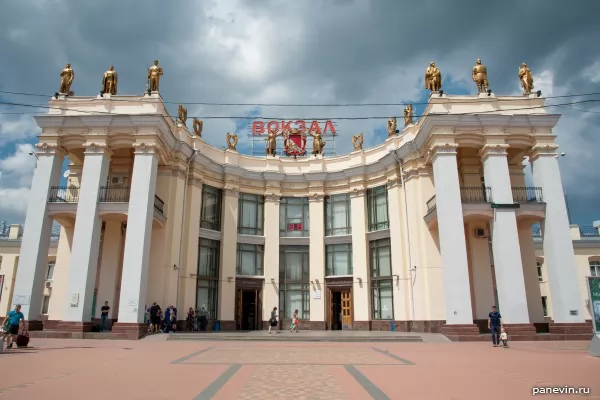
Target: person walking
point(295, 322)
point(273, 320)
point(494, 325)
point(13, 320)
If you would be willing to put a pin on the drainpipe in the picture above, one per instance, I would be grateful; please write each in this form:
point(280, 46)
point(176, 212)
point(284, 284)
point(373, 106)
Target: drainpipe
point(185, 187)
point(411, 269)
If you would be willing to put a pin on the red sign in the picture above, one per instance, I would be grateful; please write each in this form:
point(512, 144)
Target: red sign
point(294, 227)
point(258, 127)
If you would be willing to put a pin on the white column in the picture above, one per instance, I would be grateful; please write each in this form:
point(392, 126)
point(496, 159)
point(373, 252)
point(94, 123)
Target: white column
point(508, 266)
point(558, 245)
point(316, 211)
point(270, 296)
point(452, 235)
point(33, 259)
point(227, 267)
point(136, 259)
point(401, 279)
point(86, 237)
point(109, 268)
point(360, 271)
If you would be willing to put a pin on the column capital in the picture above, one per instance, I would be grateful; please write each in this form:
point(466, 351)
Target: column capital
point(49, 149)
point(542, 150)
point(195, 181)
point(316, 197)
point(358, 192)
point(145, 148)
point(272, 197)
point(441, 149)
point(393, 182)
point(493, 150)
point(96, 149)
point(231, 191)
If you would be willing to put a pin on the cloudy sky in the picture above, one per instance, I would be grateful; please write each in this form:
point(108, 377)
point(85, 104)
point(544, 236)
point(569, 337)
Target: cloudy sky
point(303, 52)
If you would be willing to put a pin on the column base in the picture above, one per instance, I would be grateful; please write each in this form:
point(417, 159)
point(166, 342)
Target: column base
point(130, 331)
point(461, 332)
point(74, 326)
point(571, 331)
point(35, 325)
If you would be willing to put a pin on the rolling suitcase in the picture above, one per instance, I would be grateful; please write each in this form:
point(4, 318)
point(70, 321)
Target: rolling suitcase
point(23, 339)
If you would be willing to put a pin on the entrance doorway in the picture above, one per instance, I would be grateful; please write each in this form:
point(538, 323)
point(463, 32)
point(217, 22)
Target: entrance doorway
point(340, 309)
point(248, 312)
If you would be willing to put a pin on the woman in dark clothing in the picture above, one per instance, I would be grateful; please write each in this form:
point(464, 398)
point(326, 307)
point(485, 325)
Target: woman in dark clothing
point(191, 316)
point(273, 320)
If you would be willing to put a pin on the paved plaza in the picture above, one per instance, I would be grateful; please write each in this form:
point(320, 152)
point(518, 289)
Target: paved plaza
point(156, 368)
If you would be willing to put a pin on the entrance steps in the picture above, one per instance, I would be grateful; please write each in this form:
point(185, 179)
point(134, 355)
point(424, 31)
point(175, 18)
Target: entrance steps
point(310, 336)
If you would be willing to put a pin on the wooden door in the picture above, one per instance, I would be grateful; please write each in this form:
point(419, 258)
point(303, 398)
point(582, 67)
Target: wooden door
point(238, 308)
point(346, 309)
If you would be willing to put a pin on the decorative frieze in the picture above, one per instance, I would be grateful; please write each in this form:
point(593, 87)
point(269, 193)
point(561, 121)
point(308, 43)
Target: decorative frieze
point(493, 150)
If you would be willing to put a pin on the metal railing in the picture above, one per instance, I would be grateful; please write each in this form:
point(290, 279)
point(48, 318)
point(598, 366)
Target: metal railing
point(159, 205)
point(110, 194)
point(475, 194)
point(64, 194)
point(588, 231)
point(431, 204)
point(527, 195)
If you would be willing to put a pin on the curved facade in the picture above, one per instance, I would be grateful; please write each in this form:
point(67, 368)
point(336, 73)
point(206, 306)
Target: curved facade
point(427, 230)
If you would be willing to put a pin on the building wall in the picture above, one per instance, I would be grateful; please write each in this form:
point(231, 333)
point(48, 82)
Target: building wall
point(441, 266)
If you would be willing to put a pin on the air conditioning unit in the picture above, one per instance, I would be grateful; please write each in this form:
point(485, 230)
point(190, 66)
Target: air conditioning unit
point(117, 180)
point(480, 233)
point(49, 284)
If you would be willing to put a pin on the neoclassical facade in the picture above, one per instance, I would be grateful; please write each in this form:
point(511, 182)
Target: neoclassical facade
point(425, 231)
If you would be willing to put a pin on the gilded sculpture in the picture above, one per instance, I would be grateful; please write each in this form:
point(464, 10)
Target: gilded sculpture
point(480, 76)
point(66, 80)
point(392, 126)
point(408, 115)
point(154, 74)
point(318, 142)
point(526, 79)
point(110, 81)
point(232, 141)
point(197, 127)
point(272, 142)
point(357, 141)
point(182, 115)
point(433, 78)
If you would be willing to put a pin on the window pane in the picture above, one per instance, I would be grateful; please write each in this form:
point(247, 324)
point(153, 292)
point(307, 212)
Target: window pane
point(382, 298)
point(385, 265)
point(293, 266)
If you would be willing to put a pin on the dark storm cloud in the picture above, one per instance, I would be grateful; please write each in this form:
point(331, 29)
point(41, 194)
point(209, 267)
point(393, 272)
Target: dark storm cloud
point(308, 52)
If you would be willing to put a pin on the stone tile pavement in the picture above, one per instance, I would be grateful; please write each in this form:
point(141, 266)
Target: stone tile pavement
point(159, 369)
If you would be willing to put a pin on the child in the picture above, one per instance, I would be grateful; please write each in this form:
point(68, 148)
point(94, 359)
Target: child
point(295, 321)
point(504, 337)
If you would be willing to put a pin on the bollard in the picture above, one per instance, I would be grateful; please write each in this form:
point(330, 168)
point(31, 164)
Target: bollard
point(392, 326)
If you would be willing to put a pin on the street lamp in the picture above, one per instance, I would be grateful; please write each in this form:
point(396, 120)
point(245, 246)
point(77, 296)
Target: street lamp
point(558, 157)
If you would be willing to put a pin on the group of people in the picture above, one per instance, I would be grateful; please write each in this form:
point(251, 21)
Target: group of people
point(274, 321)
point(197, 320)
point(159, 321)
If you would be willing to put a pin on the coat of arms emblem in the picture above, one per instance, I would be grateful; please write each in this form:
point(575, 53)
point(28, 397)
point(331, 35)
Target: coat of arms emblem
point(294, 143)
